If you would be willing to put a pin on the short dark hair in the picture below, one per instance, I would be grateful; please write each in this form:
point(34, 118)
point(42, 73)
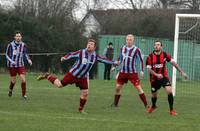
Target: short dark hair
point(17, 32)
point(92, 40)
point(110, 43)
point(159, 41)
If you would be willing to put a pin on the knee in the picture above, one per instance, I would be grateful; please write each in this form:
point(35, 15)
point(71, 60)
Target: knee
point(23, 80)
point(84, 94)
point(118, 88)
point(58, 83)
point(154, 94)
point(139, 89)
point(13, 80)
point(169, 90)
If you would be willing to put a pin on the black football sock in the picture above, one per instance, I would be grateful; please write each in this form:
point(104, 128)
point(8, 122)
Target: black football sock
point(171, 101)
point(153, 100)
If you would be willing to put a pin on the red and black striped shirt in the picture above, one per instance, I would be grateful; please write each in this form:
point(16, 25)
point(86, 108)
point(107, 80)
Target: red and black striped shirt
point(158, 64)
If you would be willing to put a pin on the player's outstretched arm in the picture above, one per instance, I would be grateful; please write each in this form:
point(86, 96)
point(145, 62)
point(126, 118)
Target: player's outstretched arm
point(71, 55)
point(107, 61)
point(183, 74)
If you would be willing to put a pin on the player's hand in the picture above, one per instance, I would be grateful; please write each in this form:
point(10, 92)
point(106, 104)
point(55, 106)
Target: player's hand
point(159, 76)
point(116, 63)
point(184, 75)
point(62, 59)
point(14, 62)
point(142, 74)
point(30, 62)
point(113, 69)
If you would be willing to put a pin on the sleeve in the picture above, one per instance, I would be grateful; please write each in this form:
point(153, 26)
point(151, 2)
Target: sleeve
point(25, 52)
point(120, 57)
point(72, 55)
point(8, 50)
point(104, 60)
point(148, 63)
point(139, 57)
point(168, 57)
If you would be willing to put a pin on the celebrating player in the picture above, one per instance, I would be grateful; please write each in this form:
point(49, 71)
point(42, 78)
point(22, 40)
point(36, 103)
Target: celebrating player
point(156, 66)
point(79, 73)
point(15, 52)
point(129, 57)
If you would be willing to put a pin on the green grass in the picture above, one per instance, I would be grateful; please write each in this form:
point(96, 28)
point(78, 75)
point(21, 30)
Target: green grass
point(53, 109)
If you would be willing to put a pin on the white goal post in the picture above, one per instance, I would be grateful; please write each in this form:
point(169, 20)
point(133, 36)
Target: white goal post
point(176, 42)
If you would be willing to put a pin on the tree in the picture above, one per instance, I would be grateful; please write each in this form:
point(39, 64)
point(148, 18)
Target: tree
point(189, 4)
point(47, 26)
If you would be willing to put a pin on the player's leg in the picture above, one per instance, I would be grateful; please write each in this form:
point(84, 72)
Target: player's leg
point(22, 72)
point(13, 75)
point(83, 100)
point(155, 86)
point(168, 90)
point(141, 94)
point(12, 84)
point(51, 78)
point(23, 85)
point(83, 84)
point(121, 79)
point(136, 82)
point(153, 101)
point(117, 94)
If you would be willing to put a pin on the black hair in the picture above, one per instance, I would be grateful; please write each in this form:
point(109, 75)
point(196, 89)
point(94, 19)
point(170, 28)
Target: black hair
point(159, 41)
point(17, 32)
point(110, 43)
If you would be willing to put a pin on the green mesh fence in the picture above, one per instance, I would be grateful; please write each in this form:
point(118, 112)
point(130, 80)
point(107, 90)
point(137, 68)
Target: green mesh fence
point(190, 54)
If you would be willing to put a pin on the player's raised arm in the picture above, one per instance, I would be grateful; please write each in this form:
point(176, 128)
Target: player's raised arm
point(8, 51)
point(25, 52)
point(71, 55)
point(183, 74)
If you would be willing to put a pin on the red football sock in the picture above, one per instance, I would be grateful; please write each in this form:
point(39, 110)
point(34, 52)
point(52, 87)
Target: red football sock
point(23, 86)
point(51, 78)
point(116, 100)
point(11, 86)
point(82, 104)
point(143, 98)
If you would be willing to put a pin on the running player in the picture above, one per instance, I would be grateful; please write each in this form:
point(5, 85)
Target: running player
point(79, 73)
point(129, 57)
point(15, 53)
point(156, 66)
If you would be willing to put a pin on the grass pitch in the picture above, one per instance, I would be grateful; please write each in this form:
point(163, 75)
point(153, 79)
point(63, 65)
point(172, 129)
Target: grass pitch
point(52, 109)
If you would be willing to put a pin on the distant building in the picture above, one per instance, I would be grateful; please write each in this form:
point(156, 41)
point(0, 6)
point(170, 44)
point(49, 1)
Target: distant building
point(118, 21)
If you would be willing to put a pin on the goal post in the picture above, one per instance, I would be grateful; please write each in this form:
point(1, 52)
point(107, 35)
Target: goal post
point(188, 28)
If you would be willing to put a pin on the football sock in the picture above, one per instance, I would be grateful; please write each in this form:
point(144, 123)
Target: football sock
point(153, 100)
point(11, 86)
point(171, 101)
point(82, 104)
point(116, 99)
point(23, 86)
point(143, 98)
point(51, 78)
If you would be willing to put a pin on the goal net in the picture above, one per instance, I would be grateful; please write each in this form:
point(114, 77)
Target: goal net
point(187, 54)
